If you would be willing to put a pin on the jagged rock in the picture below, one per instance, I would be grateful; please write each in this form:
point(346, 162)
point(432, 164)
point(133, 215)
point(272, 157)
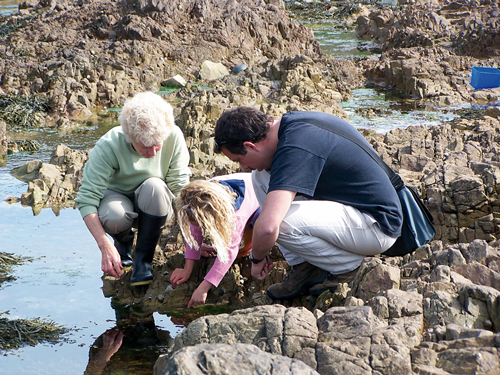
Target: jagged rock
point(55, 183)
point(128, 47)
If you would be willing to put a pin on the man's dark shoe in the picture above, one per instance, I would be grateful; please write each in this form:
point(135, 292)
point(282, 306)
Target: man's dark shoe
point(332, 282)
point(299, 279)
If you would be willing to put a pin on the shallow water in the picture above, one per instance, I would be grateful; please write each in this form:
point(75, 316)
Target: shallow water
point(338, 42)
point(9, 6)
point(375, 110)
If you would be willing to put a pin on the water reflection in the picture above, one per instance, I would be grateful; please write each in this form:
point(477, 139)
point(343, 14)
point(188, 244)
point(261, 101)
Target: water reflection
point(130, 347)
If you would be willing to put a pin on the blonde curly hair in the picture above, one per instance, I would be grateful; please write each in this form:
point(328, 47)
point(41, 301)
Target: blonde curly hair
point(210, 206)
point(147, 119)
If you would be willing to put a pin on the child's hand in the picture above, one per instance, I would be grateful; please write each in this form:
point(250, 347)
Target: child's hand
point(179, 276)
point(207, 251)
point(200, 294)
point(198, 298)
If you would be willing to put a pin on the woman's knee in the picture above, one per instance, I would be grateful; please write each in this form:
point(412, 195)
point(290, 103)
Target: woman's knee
point(154, 197)
point(115, 217)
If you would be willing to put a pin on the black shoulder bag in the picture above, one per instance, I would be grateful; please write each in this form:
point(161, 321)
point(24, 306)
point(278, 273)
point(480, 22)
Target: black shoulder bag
point(418, 223)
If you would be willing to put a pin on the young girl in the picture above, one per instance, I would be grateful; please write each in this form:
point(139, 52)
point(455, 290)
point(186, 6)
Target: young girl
point(221, 208)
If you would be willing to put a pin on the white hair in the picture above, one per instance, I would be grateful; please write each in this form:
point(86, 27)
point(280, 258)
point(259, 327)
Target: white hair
point(147, 119)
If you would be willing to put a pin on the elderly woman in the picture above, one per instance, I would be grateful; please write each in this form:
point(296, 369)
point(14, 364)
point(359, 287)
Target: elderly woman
point(130, 180)
point(224, 210)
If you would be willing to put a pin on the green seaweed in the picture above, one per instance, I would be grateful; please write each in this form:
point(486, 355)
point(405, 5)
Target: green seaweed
point(7, 27)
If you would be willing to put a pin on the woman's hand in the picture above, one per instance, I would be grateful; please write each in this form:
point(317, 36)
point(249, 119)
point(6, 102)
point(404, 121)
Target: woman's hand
point(111, 262)
point(112, 340)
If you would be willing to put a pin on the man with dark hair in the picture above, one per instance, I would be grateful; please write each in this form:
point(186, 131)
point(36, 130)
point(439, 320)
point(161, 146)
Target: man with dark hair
point(325, 202)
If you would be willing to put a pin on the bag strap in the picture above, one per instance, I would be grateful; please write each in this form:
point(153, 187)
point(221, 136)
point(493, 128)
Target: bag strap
point(396, 180)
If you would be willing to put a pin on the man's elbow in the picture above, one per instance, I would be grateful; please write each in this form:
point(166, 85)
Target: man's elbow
point(267, 230)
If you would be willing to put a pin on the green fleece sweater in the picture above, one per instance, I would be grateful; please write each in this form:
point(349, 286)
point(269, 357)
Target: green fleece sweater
point(114, 164)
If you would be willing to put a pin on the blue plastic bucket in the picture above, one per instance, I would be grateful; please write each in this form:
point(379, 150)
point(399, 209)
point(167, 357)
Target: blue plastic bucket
point(484, 77)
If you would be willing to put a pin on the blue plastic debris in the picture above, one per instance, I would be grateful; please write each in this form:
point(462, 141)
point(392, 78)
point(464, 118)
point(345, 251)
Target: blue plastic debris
point(483, 77)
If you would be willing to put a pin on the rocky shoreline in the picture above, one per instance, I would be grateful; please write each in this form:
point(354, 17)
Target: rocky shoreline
point(436, 311)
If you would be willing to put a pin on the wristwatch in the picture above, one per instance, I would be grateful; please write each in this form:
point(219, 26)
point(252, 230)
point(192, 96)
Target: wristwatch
point(256, 261)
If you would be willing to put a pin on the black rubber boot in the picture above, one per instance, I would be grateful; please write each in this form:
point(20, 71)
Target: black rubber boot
point(148, 233)
point(123, 242)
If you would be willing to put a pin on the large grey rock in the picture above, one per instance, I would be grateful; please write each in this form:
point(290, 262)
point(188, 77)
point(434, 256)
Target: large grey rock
point(274, 329)
point(221, 359)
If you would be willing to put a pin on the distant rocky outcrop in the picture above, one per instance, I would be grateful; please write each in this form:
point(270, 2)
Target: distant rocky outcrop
point(52, 184)
point(429, 47)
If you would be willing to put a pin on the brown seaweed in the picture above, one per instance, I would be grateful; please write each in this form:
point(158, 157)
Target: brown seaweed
point(22, 111)
point(7, 260)
point(17, 333)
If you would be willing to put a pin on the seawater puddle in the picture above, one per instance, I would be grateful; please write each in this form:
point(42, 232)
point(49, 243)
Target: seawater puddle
point(338, 42)
point(372, 108)
point(62, 283)
point(375, 110)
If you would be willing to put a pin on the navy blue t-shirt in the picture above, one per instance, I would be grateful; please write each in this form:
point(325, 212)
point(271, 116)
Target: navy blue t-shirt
point(322, 165)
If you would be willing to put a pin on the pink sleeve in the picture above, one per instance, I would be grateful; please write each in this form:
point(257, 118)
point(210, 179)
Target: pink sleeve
point(246, 210)
point(192, 253)
point(219, 269)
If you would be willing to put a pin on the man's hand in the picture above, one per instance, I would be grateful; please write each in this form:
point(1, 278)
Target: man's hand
point(262, 269)
point(266, 229)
